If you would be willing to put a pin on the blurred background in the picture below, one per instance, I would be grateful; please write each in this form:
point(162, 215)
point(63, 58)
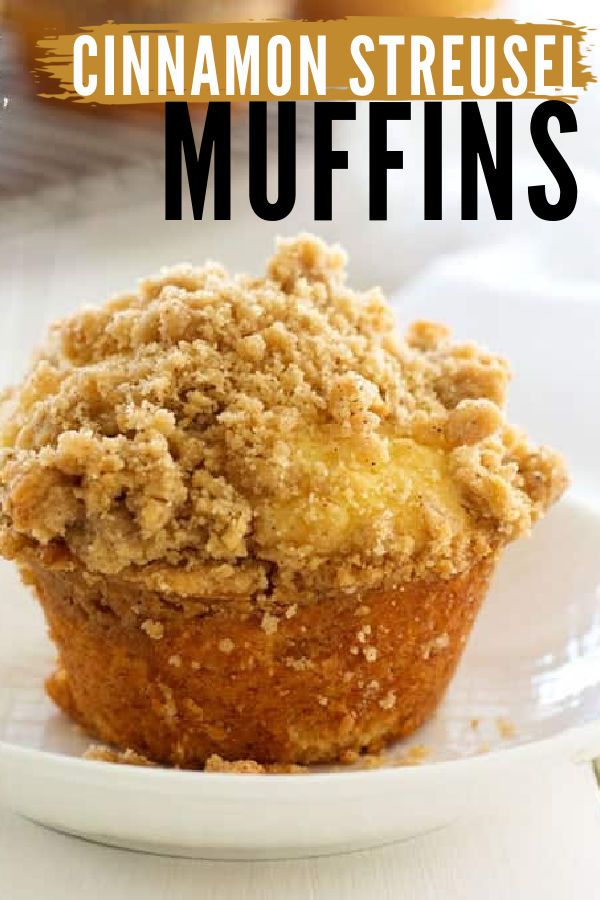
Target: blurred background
point(81, 187)
point(77, 136)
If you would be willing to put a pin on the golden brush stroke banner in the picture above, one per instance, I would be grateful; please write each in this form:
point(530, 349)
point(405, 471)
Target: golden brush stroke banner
point(372, 58)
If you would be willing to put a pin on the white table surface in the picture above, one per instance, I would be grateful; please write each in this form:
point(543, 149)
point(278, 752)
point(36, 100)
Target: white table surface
point(545, 845)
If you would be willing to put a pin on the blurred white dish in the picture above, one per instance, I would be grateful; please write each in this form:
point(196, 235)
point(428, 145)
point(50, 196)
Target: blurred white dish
point(532, 666)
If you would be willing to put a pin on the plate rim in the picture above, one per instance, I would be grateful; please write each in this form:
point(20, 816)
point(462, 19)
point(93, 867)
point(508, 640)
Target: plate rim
point(582, 740)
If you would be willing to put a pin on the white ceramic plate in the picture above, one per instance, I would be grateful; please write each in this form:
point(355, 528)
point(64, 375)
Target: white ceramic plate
point(532, 665)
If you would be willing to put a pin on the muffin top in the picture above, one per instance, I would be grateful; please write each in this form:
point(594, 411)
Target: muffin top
point(219, 435)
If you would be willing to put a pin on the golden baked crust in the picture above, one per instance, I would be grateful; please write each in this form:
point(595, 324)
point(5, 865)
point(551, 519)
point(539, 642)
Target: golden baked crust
point(264, 437)
point(334, 678)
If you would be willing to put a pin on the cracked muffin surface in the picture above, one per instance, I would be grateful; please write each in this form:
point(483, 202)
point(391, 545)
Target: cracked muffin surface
point(268, 436)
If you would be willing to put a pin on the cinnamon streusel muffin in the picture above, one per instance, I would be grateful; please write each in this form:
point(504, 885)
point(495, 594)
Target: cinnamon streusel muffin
point(259, 523)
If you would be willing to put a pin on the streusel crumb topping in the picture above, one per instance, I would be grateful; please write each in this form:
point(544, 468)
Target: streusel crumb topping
point(271, 434)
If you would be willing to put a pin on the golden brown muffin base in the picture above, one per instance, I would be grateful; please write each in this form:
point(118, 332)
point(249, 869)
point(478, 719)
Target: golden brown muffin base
point(343, 674)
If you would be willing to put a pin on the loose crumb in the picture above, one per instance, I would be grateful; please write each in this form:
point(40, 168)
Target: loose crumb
point(433, 647)
point(364, 632)
point(389, 701)
point(269, 623)
point(154, 630)
point(216, 763)
point(99, 753)
point(226, 645)
point(413, 756)
point(299, 664)
point(506, 728)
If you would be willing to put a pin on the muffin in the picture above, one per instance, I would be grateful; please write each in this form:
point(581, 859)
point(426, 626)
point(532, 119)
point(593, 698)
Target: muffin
point(259, 523)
